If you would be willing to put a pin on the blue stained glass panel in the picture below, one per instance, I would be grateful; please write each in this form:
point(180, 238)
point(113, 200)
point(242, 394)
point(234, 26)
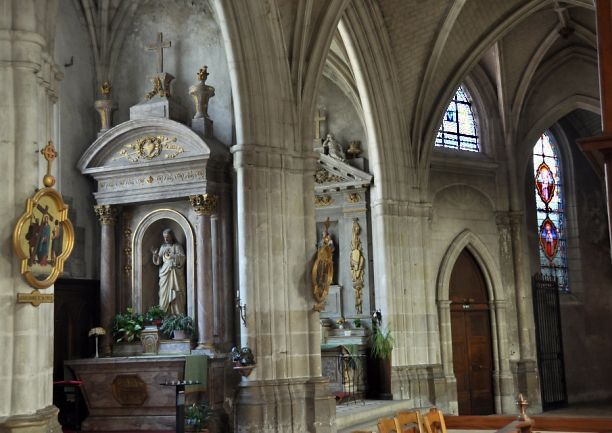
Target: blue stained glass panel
point(545, 151)
point(459, 130)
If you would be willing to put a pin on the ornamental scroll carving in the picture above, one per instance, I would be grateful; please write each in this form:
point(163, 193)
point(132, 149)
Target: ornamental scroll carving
point(150, 147)
point(323, 200)
point(357, 266)
point(323, 176)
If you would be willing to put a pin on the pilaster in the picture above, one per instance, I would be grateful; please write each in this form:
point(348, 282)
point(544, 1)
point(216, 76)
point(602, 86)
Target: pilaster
point(204, 205)
point(107, 215)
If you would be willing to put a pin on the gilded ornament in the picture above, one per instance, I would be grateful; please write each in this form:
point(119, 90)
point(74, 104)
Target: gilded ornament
point(43, 237)
point(150, 147)
point(323, 200)
point(105, 89)
point(323, 269)
point(353, 197)
point(205, 204)
point(323, 176)
point(106, 213)
point(357, 266)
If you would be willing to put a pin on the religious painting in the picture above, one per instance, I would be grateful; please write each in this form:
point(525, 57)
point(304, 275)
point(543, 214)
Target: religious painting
point(43, 238)
point(545, 183)
point(549, 238)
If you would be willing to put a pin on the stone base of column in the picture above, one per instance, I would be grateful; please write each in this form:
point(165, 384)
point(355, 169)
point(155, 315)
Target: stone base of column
point(526, 381)
point(43, 421)
point(425, 385)
point(274, 406)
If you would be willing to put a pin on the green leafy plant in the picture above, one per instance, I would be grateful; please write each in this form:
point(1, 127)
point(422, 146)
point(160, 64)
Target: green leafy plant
point(381, 343)
point(176, 322)
point(198, 416)
point(155, 315)
point(357, 323)
point(127, 326)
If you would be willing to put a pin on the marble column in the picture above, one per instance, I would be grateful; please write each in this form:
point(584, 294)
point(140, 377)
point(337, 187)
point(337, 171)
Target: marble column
point(107, 215)
point(204, 205)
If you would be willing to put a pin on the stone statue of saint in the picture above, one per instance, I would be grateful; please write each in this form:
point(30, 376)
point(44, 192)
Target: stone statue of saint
point(333, 148)
point(170, 257)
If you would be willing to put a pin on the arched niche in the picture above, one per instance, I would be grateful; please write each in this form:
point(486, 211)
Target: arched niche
point(148, 235)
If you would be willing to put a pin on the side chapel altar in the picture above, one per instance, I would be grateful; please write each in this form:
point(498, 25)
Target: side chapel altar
point(163, 199)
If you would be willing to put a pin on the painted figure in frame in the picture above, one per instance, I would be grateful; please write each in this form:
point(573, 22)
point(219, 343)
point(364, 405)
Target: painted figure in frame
point(323, 269)
point(170, 257)
point(549, 238)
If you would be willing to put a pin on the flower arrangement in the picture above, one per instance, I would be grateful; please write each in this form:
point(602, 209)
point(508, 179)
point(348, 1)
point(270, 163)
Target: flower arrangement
point(340, 323)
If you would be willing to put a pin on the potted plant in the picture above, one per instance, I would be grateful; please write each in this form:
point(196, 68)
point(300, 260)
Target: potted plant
point(379, 364)
point(180, 326)
point(198, 417)
point(127, 326)
point(155, 315)
point(244, 360)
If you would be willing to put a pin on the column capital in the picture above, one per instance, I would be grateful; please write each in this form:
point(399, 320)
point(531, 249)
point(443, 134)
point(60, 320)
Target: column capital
point(204, 204)
point(106, 213)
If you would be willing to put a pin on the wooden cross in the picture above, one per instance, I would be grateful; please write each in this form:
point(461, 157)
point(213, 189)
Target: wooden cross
point(159, 47)
point(318, 120)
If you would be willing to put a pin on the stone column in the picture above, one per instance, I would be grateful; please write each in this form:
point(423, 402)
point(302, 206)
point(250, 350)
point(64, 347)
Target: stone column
point(204, 205)
point(107, 215)
point(29, 80)
point(276, 239)
point(523, 289)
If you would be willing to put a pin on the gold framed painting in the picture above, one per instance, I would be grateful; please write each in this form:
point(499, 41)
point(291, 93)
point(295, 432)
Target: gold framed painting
point(43, 238)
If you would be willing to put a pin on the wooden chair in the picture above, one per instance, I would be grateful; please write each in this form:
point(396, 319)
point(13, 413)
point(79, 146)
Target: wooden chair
point(434, 421)
point(388, 425)
point(410, 422)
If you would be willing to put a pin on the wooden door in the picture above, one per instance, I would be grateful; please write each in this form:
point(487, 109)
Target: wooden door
point(471, 334)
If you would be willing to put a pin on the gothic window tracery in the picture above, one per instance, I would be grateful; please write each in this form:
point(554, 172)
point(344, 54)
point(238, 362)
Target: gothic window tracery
point(459, 128)
point(548, 181)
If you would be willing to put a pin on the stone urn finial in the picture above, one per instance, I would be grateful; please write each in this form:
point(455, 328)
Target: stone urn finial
point(201, 94)
point(105, 106)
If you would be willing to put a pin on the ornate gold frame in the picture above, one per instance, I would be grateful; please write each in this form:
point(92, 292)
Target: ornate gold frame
point(49, 205)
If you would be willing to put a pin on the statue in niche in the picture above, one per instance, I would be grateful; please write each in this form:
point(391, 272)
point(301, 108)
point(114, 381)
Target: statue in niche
point(333, 148)
point(170, 257)
point(323, 269)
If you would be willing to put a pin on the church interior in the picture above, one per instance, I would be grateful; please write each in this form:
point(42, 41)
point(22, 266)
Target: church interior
point(351, 207)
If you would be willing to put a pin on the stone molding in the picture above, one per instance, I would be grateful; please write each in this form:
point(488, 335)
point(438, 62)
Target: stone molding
point(391, 207)
point(42, 421)
point(272, 157)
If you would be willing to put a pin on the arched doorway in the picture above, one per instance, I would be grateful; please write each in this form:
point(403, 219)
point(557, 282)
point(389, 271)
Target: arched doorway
point(471, 337)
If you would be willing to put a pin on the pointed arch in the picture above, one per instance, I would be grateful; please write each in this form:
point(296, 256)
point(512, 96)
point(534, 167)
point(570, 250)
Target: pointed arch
point(490, 270)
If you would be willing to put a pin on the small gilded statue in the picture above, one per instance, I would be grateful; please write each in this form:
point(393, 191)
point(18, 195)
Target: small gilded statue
point(323, 269)
point(357, 266)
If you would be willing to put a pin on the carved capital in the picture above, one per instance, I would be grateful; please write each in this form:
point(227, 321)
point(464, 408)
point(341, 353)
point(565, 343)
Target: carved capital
point(204, 204)
point(106, 213)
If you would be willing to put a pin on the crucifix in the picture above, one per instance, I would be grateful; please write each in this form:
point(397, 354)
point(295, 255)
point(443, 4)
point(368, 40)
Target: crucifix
point(319, 118)
point(159, 47)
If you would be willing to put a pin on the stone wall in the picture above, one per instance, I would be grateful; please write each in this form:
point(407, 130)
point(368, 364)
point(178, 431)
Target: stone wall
point(77, 125)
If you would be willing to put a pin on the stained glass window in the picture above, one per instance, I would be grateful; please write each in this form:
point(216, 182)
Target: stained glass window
point(552, 236)
point(458, 129)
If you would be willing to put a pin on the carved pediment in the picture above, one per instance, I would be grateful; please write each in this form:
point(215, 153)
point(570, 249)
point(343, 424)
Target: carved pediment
point(334, 175)
point(152, 159)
